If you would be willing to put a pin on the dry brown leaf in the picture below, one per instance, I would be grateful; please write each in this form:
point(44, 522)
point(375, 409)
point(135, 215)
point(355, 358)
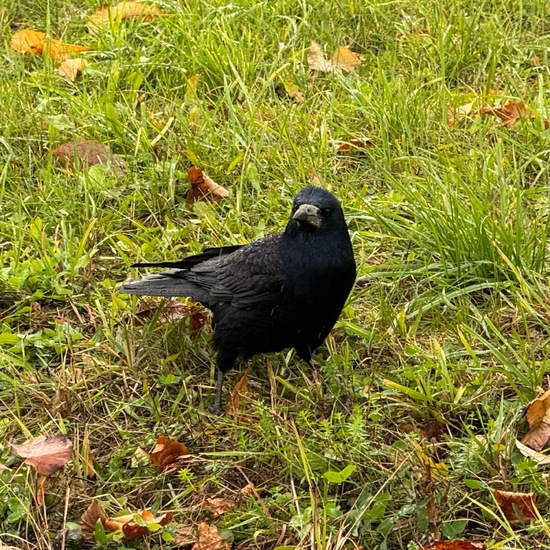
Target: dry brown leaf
point(314, 178)
point(316, 59)
point(455, 545)
point(510, 113)
point(89, 519)
point(536, 61)
point(173, 310)
point(37, 42)
point(123, 10)
point(209, 538)
point(45, 454)
point(538, 418)
point(202, 187)
point(166, 452)
point(516, 507)
point(130, 528)
point(343, 59)
point(540, 458)
point(183, 535)
point(240, 388)
point(71, 69)
point(41, 490)
point(87, 152)
point(218, 505)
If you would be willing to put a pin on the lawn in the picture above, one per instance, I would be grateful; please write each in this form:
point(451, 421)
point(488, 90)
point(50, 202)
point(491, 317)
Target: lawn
point(437, 147)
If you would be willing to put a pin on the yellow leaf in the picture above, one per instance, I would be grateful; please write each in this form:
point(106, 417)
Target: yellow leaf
point(345, 59)
point(123, 10)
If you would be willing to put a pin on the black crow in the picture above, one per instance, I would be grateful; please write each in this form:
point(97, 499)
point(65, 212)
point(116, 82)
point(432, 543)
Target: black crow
point(283, 291)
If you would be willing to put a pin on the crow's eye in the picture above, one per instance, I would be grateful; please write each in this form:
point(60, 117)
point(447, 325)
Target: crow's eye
point(326, 212)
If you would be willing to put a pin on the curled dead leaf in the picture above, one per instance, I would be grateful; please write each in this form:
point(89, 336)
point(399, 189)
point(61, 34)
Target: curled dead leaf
point(516, 507)
point(540, 458)
point(37, 42)
point(240, 388)
point(209, 538)
point(511, 112)
point(89, 519)
point(166, 452)
point(202, 187)
point(71, 69)
point(123, 10)
point(538, 418)
point(45, 454)
point(354, 144)
point(87, 152)
point(173, 310)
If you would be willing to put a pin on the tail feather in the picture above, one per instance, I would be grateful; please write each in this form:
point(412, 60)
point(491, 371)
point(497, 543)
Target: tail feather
point(166, 284)
point(191, 261)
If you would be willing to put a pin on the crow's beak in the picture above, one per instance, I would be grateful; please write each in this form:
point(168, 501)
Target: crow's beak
point(309, 214)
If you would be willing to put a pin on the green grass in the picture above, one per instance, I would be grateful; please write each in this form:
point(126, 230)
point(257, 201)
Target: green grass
point(448, 321)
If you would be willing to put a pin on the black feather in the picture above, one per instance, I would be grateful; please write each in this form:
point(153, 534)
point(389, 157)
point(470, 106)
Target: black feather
point(283, 291)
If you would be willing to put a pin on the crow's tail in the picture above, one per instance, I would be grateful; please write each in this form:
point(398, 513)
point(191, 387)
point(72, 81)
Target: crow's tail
point(167, 284)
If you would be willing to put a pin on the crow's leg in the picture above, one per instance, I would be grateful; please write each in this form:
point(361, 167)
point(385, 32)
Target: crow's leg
point(219, 387)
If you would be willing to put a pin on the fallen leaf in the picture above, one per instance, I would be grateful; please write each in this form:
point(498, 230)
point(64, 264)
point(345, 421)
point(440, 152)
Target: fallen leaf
point(37, 42)
point(354, 144)
point(183, 535)
point(89, 519)
point(40, 492)
point(539, 458)
point(45, 454)
point(71, 69)
point(87, 152)
point(536, 61)
point(293, 91)
point(202, 187)
point(516, 507)
point(240, 388)
point(455, 545)
point(458, 113)
point(538, 418)
point(171, 311)
point(343, 59)
point(419, 31)
point(316, 59)
point(218, 505)
point(314, 178)
point(166, 452)
point(123, 10)
point(130, 528)
point(510, 113)
point(209, 538)
point(140, 456)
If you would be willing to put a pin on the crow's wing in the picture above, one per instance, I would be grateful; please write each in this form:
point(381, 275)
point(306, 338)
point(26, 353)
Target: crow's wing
point(252, 275)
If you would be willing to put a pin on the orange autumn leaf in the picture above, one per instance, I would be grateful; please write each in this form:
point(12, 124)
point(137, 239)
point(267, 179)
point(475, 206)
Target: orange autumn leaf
point(123, 10)
point(516, 507)
point(171, 311)
point(354, 144)
point(240, 388)
point(202, 187)
point(538, 418)
point(37, 42)
point(130, 528)
point(209, 538)
point(218, 505)
point(166, 452)
point(45, 454)
point(70, 69)
point(455, 545)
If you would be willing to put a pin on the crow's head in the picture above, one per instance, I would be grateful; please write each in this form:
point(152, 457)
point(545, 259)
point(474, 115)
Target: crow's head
point(315, 210)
